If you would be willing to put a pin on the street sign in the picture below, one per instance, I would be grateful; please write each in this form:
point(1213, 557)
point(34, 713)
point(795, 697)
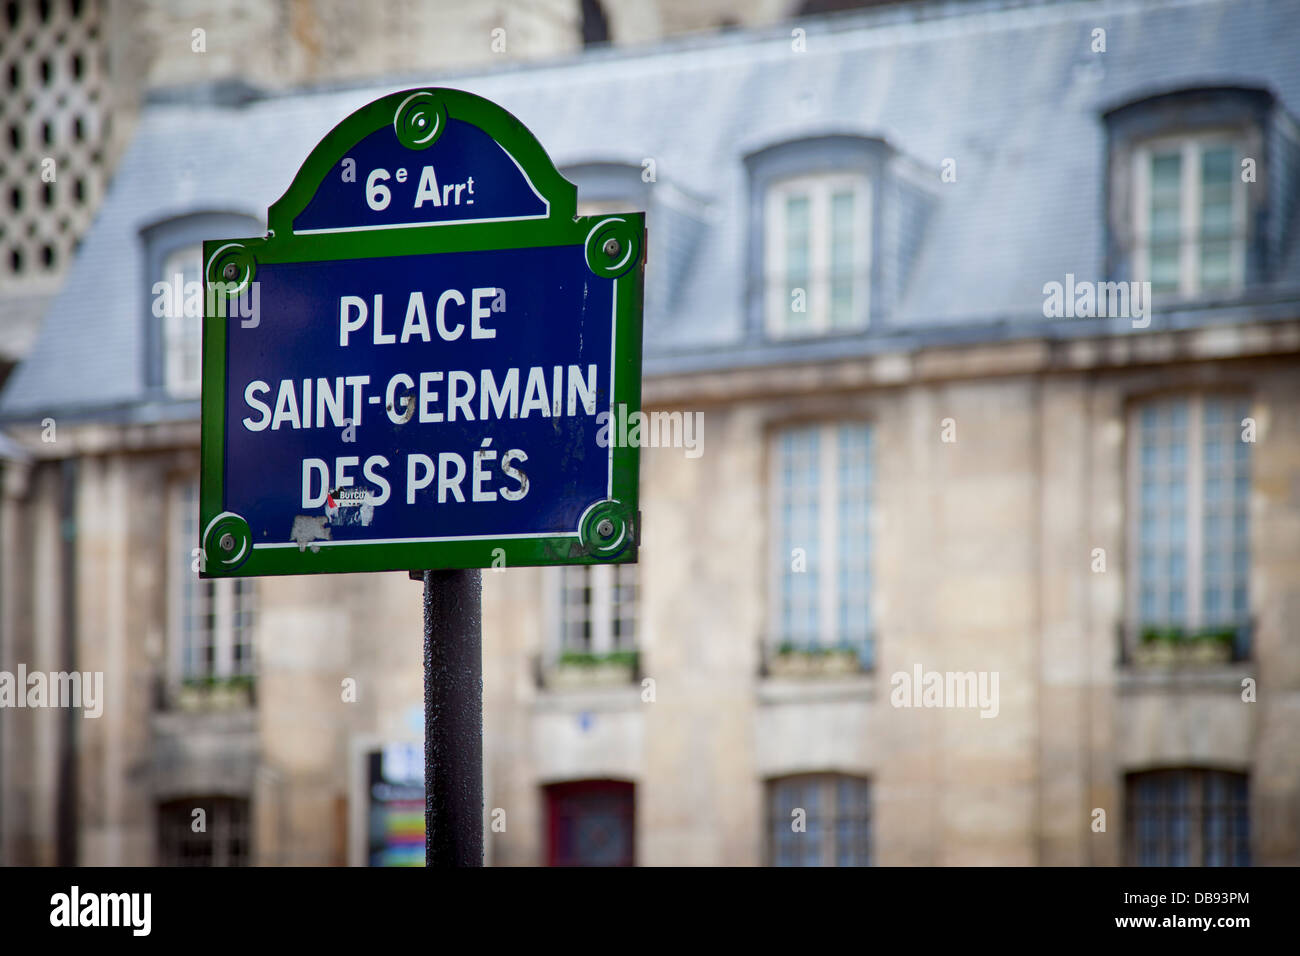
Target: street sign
point(422, 365)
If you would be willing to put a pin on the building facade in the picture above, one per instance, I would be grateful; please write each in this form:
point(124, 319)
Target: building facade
point(971, 519)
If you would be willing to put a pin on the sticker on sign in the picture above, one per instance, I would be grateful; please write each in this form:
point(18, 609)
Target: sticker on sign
point(438, 336)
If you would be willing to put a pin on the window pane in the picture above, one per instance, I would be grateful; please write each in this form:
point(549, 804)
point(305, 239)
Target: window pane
point(853, 483)
point(1217, 184)
point(1165, 221)
point(241, 644)
point(853, 823)
point(1225, 526)
point(842, 257)
point(799, 483)
point(1162, 514)
point(183, 329)
point(798, 256)
point(575, 609)
point(623, 604)
point(197, 597)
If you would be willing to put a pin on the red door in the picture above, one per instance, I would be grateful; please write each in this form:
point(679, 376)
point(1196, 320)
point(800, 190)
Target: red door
point(591, 823)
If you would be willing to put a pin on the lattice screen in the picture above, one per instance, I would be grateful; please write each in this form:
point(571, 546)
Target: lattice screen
point(53, 105)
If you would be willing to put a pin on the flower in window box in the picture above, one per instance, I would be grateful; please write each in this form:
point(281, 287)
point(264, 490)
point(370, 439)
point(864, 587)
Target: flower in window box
point(1212, 647)
point(1159, 647)
point(840, 661)
point(791, 661)
point(189, 697)
point(1209, 652)
point(580, 669)
point(1172, 646)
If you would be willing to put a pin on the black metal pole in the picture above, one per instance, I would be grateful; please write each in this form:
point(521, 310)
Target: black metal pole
point(453, 718)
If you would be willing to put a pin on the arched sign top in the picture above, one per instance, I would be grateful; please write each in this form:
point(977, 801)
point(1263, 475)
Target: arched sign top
point(423, 158)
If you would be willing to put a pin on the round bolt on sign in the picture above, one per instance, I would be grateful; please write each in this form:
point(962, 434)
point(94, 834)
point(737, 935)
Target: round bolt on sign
point(443, 355)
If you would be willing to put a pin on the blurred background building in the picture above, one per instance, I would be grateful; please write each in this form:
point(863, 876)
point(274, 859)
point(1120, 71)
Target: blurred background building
point(854, 219)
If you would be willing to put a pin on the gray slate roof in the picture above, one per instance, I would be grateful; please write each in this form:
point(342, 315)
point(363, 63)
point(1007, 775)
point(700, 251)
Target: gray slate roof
point(1011, 92)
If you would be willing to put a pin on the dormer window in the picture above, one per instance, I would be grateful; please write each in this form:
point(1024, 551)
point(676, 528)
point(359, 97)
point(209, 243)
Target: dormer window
point(183, 322)
point(835, 222)
point(1190, 214)
point(1198, 196)
point(175, 295)
point(818, 254)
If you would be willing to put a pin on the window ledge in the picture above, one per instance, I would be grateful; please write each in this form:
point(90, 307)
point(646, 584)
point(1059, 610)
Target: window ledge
point(591, 697)
point(201, 699)
point(795, 690)
point(183, 724)
point(835, 334)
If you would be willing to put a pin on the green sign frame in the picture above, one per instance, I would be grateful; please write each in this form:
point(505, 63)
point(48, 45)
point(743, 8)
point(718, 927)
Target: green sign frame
point(609, 531)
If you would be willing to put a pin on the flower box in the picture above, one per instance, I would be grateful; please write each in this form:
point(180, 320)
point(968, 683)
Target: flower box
point(838, 662)
point(1174, 648)
point(204, 696)
point(592, 670)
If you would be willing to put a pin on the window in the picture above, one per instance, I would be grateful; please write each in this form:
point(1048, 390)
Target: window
point(594, 637)
point(183, 330)
point(173, 273)
point(591, 823)
point(1179, 214)
point(212, 619)
point(221, 841)
point(1188, 818)
point(1190, 494)
point(598, 605)
point(818, 254)
point(819, 820)
point(836, 225)
point(1190, 209)
point(821, 559)
point(595, 25)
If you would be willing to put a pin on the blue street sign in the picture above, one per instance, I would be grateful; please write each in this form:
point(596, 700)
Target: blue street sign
point(425, 361)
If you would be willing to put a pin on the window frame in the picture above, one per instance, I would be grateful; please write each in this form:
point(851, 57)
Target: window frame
point(603, 580)
point(220, 594)
point(228, 819)
point(1191, 147)
point(828, 484)
point(1193, 576)
point(161, 241)
point(176, 335)
point(1196, 811)
point(820, 188)
point(828, 783)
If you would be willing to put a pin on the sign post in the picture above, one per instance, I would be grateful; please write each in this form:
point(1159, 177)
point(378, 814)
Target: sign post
point(422, 366)
point(453, 719)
